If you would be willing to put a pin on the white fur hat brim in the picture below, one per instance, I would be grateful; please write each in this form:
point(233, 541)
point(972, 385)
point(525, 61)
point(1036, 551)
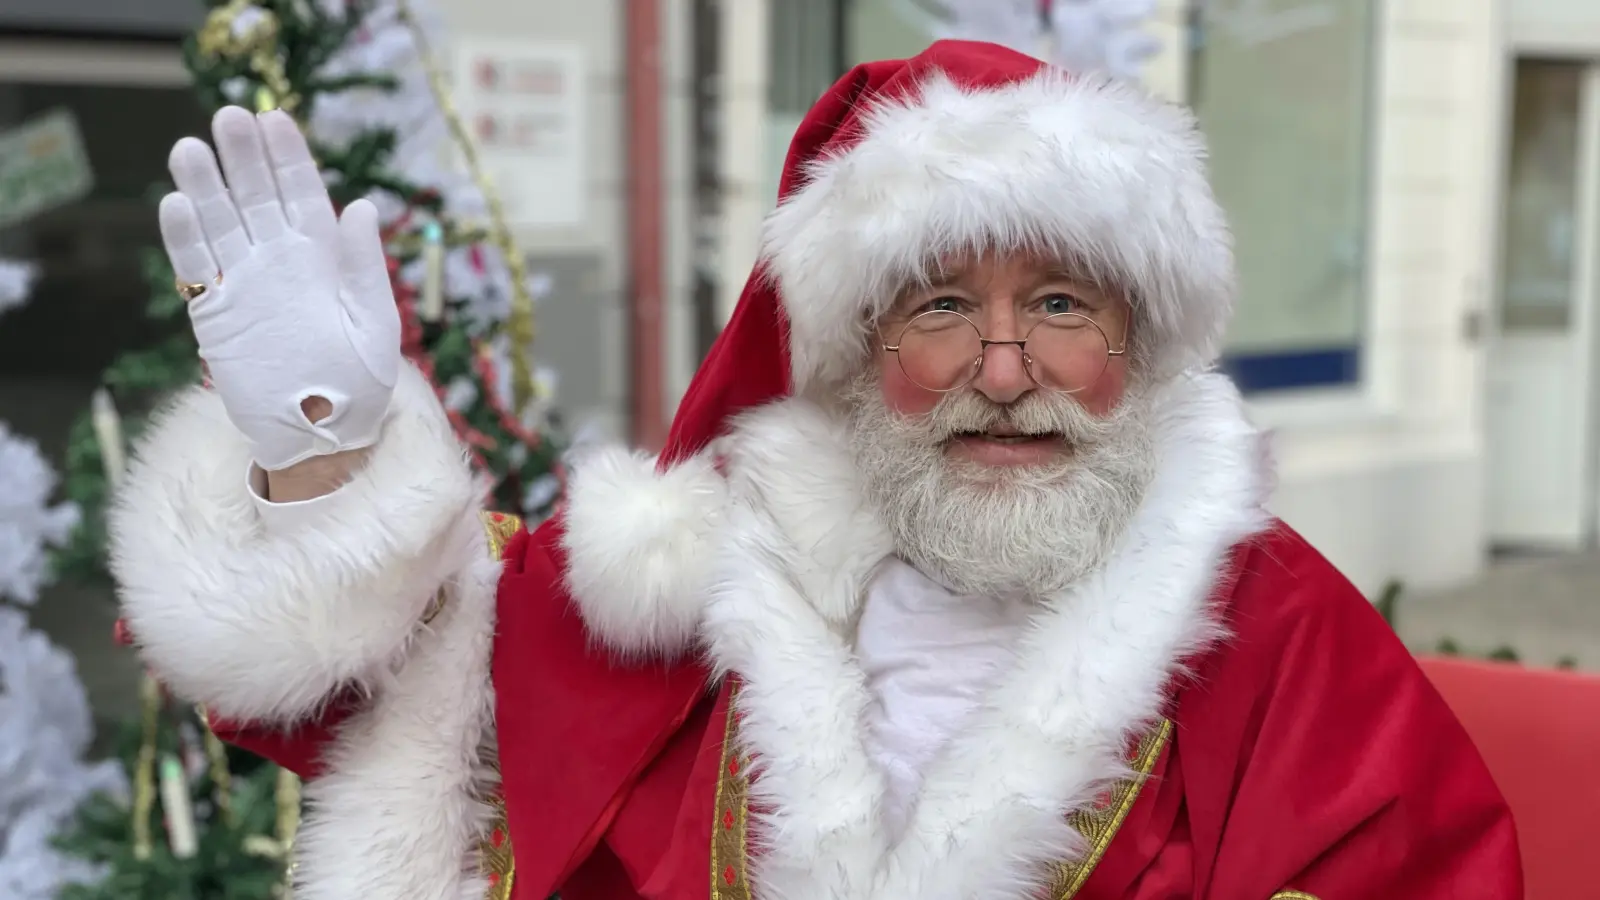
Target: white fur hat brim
point(972, 156)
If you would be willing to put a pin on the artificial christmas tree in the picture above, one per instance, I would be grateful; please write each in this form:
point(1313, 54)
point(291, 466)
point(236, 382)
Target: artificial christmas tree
point(205, 820)
point(359, 77)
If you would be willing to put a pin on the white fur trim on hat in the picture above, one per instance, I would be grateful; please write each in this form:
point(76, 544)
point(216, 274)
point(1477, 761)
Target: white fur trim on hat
point(1082, 165)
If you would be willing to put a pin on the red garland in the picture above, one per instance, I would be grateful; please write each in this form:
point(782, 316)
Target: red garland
point(487, 374)
point(405, 298)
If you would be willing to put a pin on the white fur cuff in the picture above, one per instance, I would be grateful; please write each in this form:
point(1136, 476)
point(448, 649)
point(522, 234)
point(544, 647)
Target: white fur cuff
point(265, 625)
point(640, 547)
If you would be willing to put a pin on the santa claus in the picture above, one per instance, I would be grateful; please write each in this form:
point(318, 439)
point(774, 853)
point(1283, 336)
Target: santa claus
point(954, 580)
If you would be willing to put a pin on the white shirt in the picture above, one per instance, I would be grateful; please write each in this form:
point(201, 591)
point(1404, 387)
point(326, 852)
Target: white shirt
point(929, 656)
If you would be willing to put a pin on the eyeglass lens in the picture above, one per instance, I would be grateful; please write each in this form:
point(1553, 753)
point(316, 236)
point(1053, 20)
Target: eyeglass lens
point(943, 351)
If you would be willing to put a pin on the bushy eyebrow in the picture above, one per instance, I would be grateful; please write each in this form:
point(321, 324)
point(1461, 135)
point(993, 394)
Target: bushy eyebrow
point(935, 278)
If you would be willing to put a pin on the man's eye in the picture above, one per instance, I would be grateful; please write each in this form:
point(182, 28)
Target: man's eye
point(1054, 304)
point(941, 304)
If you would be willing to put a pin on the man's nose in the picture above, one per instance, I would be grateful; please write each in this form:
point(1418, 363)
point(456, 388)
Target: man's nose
point(1003, 377)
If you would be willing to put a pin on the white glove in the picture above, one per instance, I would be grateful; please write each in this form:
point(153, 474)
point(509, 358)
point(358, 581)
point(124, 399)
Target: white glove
point(297, 302)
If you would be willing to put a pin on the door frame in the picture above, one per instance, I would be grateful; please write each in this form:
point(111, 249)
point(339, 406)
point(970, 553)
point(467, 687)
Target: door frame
point(1584, 324)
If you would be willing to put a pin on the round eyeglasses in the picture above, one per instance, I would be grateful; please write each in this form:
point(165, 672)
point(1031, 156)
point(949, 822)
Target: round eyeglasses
point(943, 351)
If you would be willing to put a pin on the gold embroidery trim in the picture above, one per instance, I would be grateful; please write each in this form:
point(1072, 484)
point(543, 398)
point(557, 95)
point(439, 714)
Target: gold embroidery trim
point(1293, 895)
point(1100, 824)
point(729, 846)
point(729, 873)
point(500, 529)
point(494, 852)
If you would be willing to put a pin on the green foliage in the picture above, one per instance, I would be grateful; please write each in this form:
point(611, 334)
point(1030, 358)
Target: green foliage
point(1503, 653)
point(231, 862)
point(1388, 602)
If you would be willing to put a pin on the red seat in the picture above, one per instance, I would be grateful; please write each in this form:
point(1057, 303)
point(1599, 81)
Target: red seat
point(1539, 732)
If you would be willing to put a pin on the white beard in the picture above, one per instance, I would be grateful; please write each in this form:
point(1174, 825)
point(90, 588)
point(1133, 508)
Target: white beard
point(1029, 530)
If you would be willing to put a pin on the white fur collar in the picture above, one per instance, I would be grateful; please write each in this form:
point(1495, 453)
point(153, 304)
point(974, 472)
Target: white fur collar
point(765, 568)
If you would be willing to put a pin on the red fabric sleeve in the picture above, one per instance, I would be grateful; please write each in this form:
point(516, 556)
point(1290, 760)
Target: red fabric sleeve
point(298, 749)
point(1344, 774)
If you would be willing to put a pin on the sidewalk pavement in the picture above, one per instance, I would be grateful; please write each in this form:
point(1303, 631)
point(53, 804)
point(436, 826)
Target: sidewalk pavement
point(1545, 608)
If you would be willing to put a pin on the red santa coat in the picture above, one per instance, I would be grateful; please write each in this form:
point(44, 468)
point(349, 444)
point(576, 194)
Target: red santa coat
point(1213, 713)
point(1308, 754)
point(1304, 751)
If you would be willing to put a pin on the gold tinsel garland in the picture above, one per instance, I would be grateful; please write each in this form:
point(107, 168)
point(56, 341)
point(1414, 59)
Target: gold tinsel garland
point(144, 771)
point(286, 793)
point(243, 30)
point(520, 324)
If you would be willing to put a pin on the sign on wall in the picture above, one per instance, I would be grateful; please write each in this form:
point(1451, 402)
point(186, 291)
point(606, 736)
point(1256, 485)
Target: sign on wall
point(523, 104)
point(42, 165)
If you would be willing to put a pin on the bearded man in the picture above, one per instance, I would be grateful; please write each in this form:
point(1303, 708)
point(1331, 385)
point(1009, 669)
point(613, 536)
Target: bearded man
point(954, 580)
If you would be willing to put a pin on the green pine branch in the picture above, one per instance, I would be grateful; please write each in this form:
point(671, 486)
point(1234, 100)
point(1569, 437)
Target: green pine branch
point(228, 863)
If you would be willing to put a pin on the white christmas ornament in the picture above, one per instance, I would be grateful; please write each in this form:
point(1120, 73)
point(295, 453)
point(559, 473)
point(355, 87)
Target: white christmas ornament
point(16, 280)
point(29, 524)
point(1077, 35)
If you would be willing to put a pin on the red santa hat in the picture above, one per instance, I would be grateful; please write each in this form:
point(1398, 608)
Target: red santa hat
point(967, 145)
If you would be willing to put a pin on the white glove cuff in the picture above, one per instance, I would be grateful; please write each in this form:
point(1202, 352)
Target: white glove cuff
point(416, 423)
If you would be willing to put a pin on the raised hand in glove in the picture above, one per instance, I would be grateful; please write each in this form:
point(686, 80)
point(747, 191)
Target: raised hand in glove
point(290, 303)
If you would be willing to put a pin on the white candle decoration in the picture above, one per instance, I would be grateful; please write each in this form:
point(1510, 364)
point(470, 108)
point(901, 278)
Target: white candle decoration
point(108, 433)
point(432, 308)
point(179, 809)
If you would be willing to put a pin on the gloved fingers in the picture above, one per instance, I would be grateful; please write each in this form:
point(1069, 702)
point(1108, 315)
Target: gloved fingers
point(367, 296)
point(194, 170)
point(250, 178)
point(305, 197)
point(185, 241)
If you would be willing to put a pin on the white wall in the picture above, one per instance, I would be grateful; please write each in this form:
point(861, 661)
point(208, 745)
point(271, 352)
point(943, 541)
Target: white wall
point(677, 246)
point(749, 186)
point(596, 27)
point(1554, 24)
point(1387, 480)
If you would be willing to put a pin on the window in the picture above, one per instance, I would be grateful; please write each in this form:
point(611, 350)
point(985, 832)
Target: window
point(1282, 89)
point(806, 42)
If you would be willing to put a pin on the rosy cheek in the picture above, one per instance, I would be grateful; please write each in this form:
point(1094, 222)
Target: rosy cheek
point(901, 394)
point(1101, 399)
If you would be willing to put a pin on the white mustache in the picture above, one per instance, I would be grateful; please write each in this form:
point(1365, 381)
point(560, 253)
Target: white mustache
point(969, 412)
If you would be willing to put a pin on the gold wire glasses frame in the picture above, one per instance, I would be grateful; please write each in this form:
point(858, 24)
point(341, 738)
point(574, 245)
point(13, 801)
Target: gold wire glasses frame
point(943, 351)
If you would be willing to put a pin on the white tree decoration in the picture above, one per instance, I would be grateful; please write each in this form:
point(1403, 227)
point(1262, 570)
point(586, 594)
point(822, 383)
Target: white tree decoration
point(45, 725)
point(45, 729)
point(29, 525)
point(16, 279)
point(1078, 35)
